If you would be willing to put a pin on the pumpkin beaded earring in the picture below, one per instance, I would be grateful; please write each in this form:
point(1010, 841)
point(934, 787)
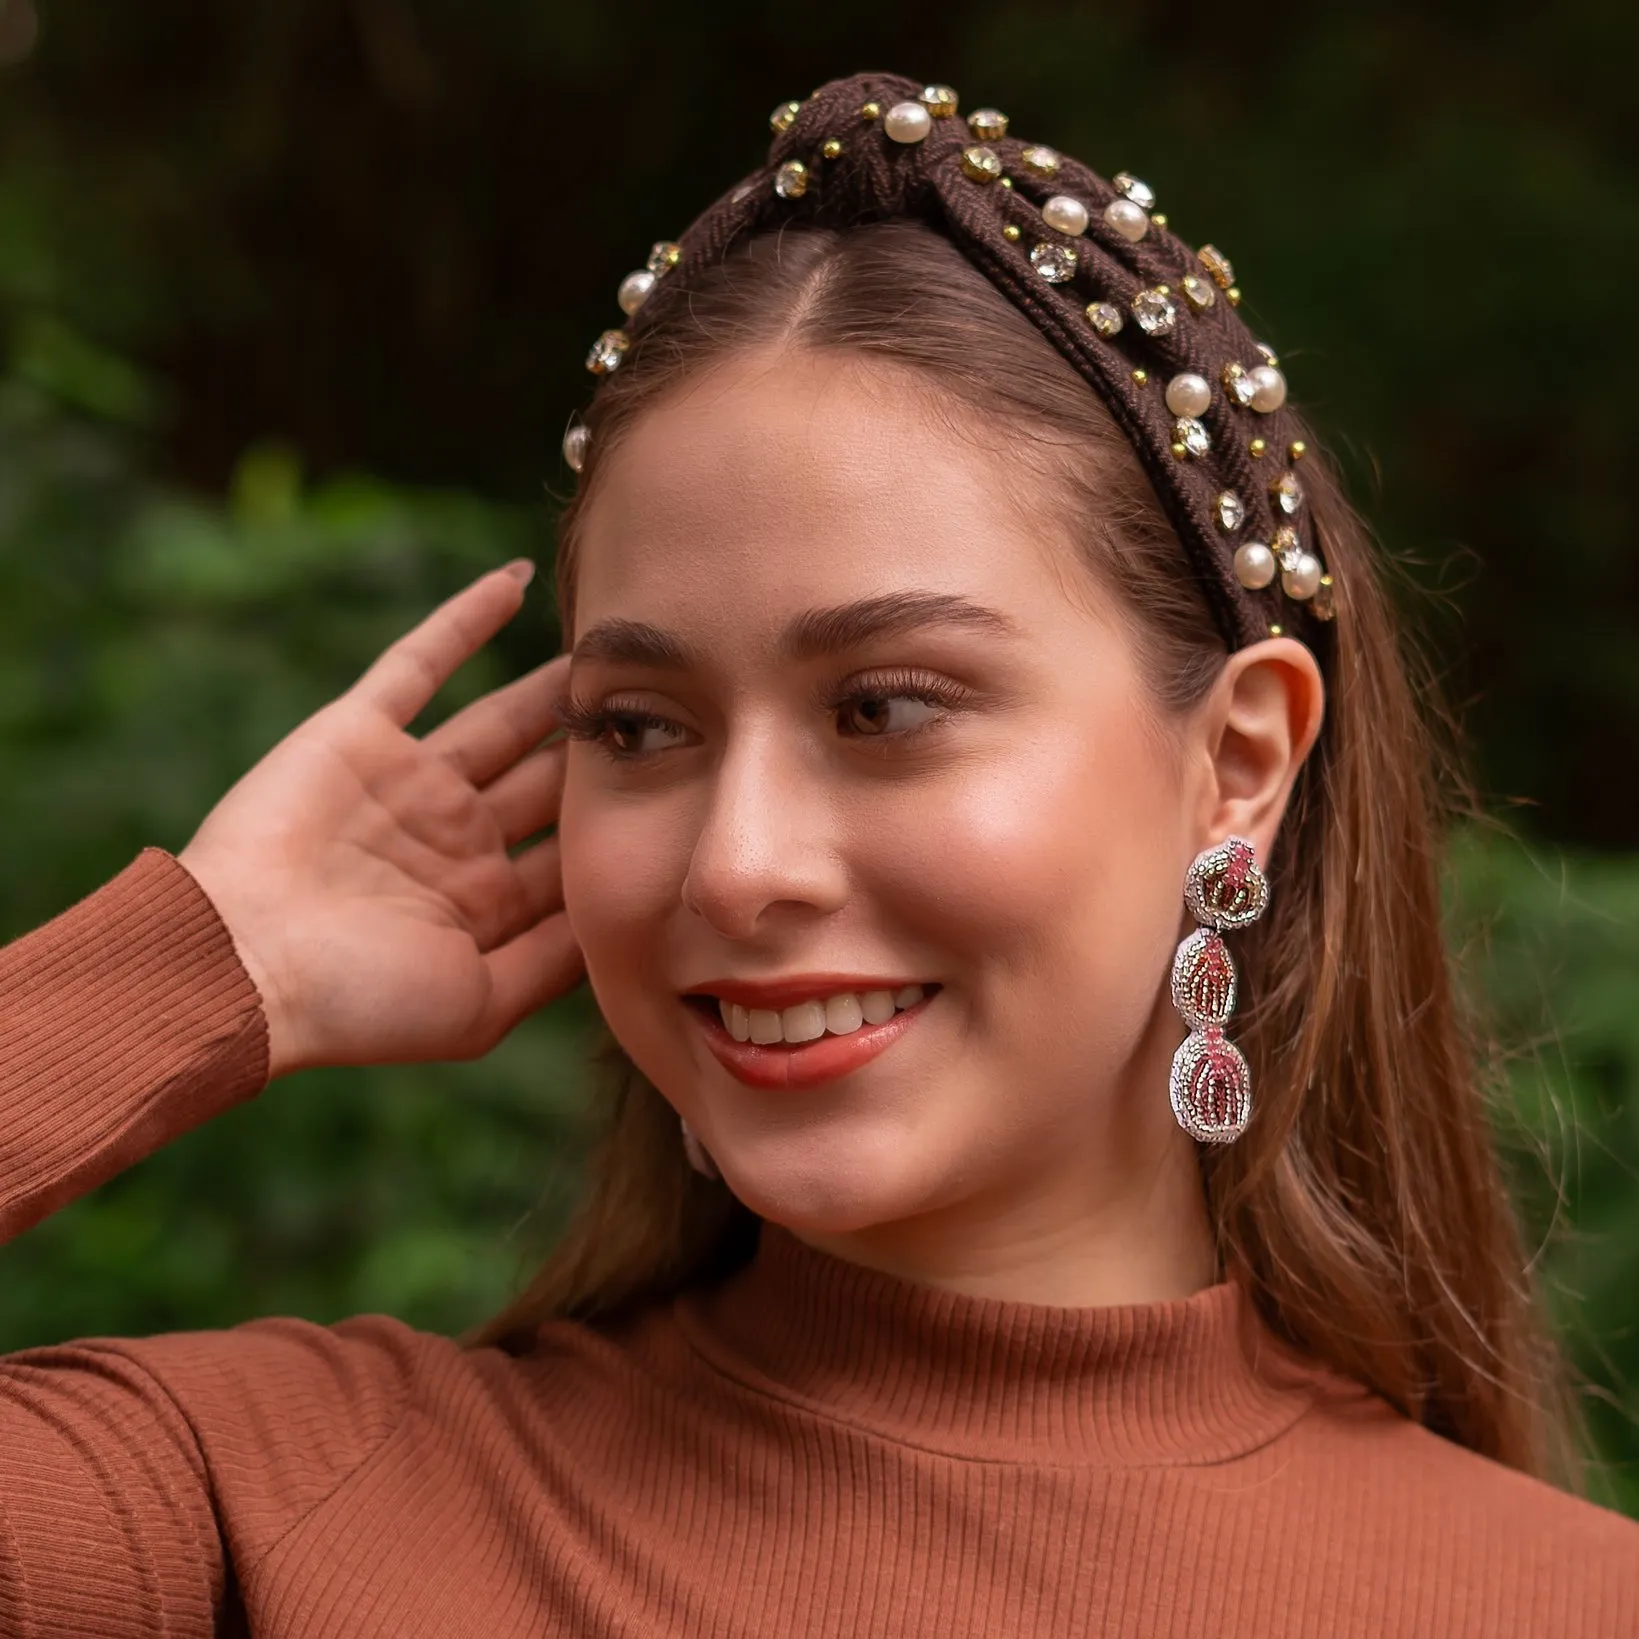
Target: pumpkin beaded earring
point(1210, 1084)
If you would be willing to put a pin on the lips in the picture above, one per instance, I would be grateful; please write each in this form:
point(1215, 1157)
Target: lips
point(805, 1064)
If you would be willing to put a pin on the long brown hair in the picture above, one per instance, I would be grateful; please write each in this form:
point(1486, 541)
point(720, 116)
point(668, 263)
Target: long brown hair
point(1364, 1207)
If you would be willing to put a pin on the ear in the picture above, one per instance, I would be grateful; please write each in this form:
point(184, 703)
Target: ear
point(1259, 723)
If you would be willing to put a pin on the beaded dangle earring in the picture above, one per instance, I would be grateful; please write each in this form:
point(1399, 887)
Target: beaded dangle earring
point(696, 1152)
point(1211, 1085)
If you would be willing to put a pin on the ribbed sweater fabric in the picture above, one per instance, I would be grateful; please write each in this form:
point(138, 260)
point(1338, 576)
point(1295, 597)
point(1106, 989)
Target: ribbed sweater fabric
point(808, 1448)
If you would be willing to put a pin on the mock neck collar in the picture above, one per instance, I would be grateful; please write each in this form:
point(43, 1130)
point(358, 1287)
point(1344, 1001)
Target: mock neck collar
point(1191, 1380)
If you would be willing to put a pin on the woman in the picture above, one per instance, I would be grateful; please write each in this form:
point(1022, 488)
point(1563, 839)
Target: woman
point(1046, 1189)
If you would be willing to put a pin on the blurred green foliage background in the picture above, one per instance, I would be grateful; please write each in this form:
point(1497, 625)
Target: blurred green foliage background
point(293, 300)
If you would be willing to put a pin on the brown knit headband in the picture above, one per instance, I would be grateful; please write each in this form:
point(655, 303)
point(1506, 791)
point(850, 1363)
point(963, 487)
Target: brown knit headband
point(1151, 324)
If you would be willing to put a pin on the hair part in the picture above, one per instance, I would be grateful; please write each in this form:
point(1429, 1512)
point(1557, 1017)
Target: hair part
point(1364, 1207)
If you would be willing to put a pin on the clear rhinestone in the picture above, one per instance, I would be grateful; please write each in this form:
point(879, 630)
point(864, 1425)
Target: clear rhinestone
point(1231, 511)
point(664, 257)
point(982, 164)
point(1039, 160)
point(1286, 546)
point(607, 352)
point(1140, 193)
point(1105, 318)
point(1155, 312)
point(1287, 494)
point(784, 117)
point(1268, 354)
point(1198, 293)
point(987, 124)
point(1238, 383)
point(939, 100)
point(1189, 432)
point(1218, 265)
point(1055, 263)
point(1325, 601)
point(791, 180)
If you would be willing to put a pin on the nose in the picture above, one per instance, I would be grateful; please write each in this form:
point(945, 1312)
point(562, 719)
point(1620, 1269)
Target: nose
point(767, 850)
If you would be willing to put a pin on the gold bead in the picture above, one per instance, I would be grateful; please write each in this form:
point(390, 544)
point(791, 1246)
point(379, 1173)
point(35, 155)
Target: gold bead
point(1298, 449)
point(982, 164)
point(1011, 233)
point(1163, 290)
point(939, 100)
point(871, 111)
point(1007, 182)
point(1234, 295)
point(831, 148)
point(1140, 377)
point(1257, 447)
point(784, 117)
point(1275, 631)
point(1158, 219)
point(1180, 451)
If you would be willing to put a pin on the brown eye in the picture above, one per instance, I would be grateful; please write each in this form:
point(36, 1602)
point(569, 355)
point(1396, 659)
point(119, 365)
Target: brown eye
point(636, 734)
point(877, 714)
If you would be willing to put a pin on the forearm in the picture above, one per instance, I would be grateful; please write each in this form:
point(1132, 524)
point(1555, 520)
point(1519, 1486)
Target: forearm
point(124, 1022)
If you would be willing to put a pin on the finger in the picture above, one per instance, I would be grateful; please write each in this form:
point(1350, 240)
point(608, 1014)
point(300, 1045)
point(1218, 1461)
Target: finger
point(527, 797)
point(534, 892)
point(485, 739)
point(526, 973)
point(411, 671)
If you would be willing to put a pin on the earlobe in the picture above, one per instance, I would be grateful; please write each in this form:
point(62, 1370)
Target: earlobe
point(1267, 711)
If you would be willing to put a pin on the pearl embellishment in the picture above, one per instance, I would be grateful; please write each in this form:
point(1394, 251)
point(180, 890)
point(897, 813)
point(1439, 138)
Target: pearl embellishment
point(574, 445)
point(1268, 388)
point(1254, 565)
point(1128, 219)
point(634, 290)
point(907, 122)
point(1302, 580)
point(1188, 394)
point(1065, 215)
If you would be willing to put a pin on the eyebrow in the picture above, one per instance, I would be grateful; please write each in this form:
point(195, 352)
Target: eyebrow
point(810, 635)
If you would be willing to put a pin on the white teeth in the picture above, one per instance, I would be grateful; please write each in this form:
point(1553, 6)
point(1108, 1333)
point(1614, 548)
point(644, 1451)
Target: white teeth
point(839, 1015)
point(804, 1022)
point(843, 1015)
point(877, 1006)
point(765, 1026)
point(735, 1019)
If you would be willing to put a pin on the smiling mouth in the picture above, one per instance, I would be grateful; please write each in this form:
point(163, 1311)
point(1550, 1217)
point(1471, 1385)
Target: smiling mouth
point(842, 1014)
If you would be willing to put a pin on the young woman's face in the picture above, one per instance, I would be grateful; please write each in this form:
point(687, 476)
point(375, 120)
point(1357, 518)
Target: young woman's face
point(865, 728)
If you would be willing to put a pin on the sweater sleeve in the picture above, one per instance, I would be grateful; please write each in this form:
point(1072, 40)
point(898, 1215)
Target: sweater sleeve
point(124, 1022)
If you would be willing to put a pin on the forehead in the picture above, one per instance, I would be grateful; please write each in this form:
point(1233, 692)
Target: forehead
point(784, 480)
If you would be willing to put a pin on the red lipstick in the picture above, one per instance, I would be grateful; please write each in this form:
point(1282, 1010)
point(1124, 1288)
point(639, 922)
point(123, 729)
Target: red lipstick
point(809, 1063)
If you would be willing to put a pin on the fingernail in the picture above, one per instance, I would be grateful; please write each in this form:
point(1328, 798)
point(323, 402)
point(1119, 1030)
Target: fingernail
point(521, 570)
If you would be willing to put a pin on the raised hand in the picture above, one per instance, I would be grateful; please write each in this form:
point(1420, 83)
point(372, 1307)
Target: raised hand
point(364, 873)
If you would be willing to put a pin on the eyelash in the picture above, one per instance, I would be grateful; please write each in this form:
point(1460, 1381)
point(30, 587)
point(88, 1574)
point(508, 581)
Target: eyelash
point(584, 720)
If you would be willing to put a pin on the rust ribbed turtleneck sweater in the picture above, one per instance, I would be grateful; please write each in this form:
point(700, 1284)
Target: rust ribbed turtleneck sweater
point(807, 1449)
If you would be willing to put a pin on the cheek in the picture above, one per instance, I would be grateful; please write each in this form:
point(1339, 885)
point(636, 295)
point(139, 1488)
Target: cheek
point(621, 872)
point(1049, 873)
